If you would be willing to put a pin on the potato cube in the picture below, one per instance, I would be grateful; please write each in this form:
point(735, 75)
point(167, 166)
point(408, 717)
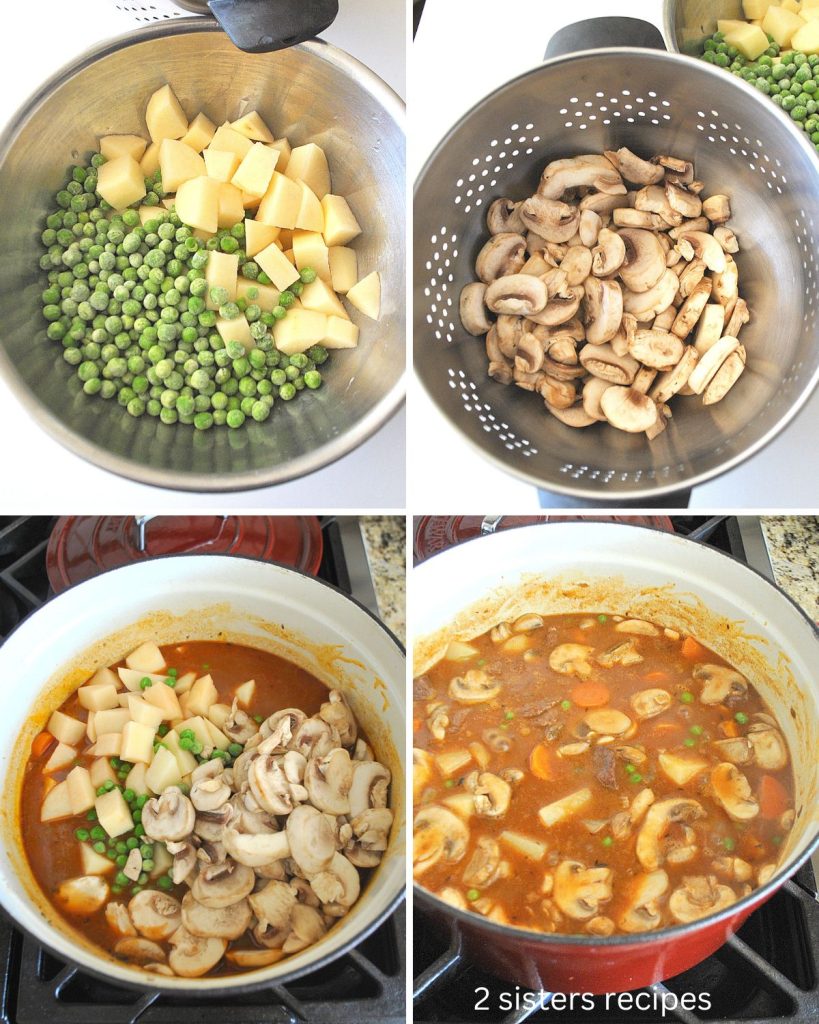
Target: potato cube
point(228, 139)
point(265, 296)
point(111, 721)
point(135, 779)
point(178, 163)
point(750, 40)
point(755, 8)
point(281, 202)
point(343, 268)
point(237, 329)
point(132, 678)
point(253, 127)
point(726, 24)
point(310, 251)
point(220, 163)
point(790, 5)
point(806, 38)
point(202, 694)
point(245, 693)
point(231, 210)
point(112, 146)
point(164, 115)
point(250, 202)
point(284, 148)
point(98, 696)
point(61, 757)
point(101, 771)
point(200, 131)
point(94, 863)
point(221, 272)
point(66, 729)
point(565, 807)
point(309, 164)
point(197, 203)
point(300, 329)
point(146, 658)
point(108, 744)
point(340, 333)
point(216, 737)
point(258, 236)
point(256, 169)
point(149, 163)
point(113, 813)
point(120, 182)
point(57, 803)
point(780, 24)
point(185, 682)
point(219, 714)
point(143, 712)
point(91, 725)
point(104, 675)
point(137, 743)
point(163, 697)
point(310, 216)
point(184, 758)
point(340, 225)
point(163, 771)
point(366, 295)
point(277, 267)
point(81, 790)
point(320, 296)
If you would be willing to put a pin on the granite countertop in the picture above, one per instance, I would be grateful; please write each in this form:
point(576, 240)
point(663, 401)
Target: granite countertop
point(385, 538)
point(793, 547)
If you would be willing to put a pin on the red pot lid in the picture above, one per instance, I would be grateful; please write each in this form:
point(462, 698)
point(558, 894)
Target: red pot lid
point(434, 533)
point(84, 546)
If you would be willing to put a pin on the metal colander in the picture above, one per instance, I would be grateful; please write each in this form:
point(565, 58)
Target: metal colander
point(651, 102)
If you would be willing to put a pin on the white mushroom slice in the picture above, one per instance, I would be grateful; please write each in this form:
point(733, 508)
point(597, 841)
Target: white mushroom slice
point(653, 199)
point(733, 792)
point(628, 409)
point(603, 310)
point(517, 295)
point(650, 703)
point(579, 891)
point(503, 254)
point(369, 787)
point(565, 807)
point(251, 959)
point(561, 306)
point(691, 274)
point(238, 725)
point(628, 218)
point(765, 873)
point(602, 361)
point(709, 363)
point(698, 897)
point(503, 215)
point(474, 687)
point(683, 201)
point(681, 769)
point(637, 627)
point(529, 354)
point(589, 227)
point(705, 248)
point(192, 956)
point(140, 951)
point(273, 906)
point(284, 726)
point(710, 328)
point(727, 239)
point(633, 169)
point(769, 747)
point(658, 349)
point(724, 379)
point(648, 304)
point(624, 653)
point(671, 382)
point(371, 831)
point(726, 286)
point(306, 927)
point(491, 794)
point(255, 850)
point(607, 721)
point(737, 750)
point(720, 683)
point(485, 866)
point(82, 896)
point(576, 416)
point(592, 392)
point(119, 920)
point(437, 834)
point(209, 794)
point(739, 316)
point(473, 309)
point(590, 170)
point(571, 659)
point(272, 789)
point(644, 259)
point(220, 885)
point(551, 219)
point(156, 915)
point(609, 254)
point(717, 209)
point(733, 867)
point(338, 884)
point(642, 912)
point(692, 309)
point(423, 772)
point(659, 818)
point(328, 781)
point(576, 264)
point(310, 838)
point(222, 923)
point(169, 817)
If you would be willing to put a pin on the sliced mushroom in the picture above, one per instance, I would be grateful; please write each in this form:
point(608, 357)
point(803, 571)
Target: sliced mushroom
point(337, 884)
point(609, 254)
point(529, 354)
point(628, 409)
point(306, 927)
point(727, 239)
point(473, 309)
point(503, 254)
point(660, 350)
point(371, 831)
point(474, 687)
point(602, 203)
point(692, 309)
point(502, 216)
point(726, 286)
point(633, 169)
point(156, 915)
point(580, 891)
point(648, 304)
point(654, 199)
point(603, 310)
point(642, 913)
point(626, 217)
point(593, 170)
point(625, 654)
point(769, 748)
point(140, 951)
point(220, 885)
point(608, 721)
point(733, 792)
point(658, 820)
point(485, 865)
point(720, 683)
point(184, 860)
point(270, 786)
point(602, 361)
point(222, 923)
point(491, 794)
point(328, 781)
point(192, 956)
point(717, 209)
point(210, 794)
point(672, 381)
point(517, 294)
point(682, 200)
point(239, 726)
point(592, 392)
point(561, 306)
point(589, 227)
point(733, 867)
point(691, 274)
point(551, 219)
point(273, 906)
point(576, 416)
point(283, 727)
point(705, 248)
point(576, 264)
point(571, 659)
point(737, 750)
point(169, 817)
point(437, 834)
point(739, 316)
point(258, 849)
point(119, 920)
point(724, 379)
point(650, 703)
point(698, 897)
point(509, 333)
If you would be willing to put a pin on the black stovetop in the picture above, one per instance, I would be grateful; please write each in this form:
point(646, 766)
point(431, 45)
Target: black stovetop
point(365, 985)
point(764, 974)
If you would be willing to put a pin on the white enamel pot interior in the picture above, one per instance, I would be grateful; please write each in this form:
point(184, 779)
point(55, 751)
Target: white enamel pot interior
point(198, 597)
point(634, 571)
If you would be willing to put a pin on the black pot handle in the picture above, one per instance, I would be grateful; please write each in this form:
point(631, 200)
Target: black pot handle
point(598, 33)
point(259, 26)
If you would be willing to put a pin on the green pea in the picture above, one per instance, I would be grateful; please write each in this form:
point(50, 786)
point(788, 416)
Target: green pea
point(741, 718)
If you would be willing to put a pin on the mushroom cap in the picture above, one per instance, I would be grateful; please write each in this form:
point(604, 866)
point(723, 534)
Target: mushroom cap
point(336, 711)
point(661, 350)
point(720, 683)
point(437, 834)
point(192, 956)
point(609, 253)
point(306, 927)
point(603, 303)
point(140, 951)
point(602, 361)
point(628, 409)
point(588, 170)
point(169, 817)
point(642, 912)
point(517, 294)
point(648, 304)
point(551, 219)
point(371, 779)
point(607, 721)
point(571, 659)
point(474, 687)
point(644, 259)
point(328, 780)
point(579, 891)
point(502, 255)
point(504, 215)
point(698, 897)
point(337, 884)
point(271, 788)
point(156, 915)
point(473, 309)
point(659, 818)
point(634, 169)
point(256, 849)
point(651, 702)
point(732, 791)
point(312, 839)
point(210, 922)
point(220, 885)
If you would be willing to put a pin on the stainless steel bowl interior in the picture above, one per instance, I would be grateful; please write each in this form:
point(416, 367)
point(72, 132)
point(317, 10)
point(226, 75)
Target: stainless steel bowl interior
point(652, 102)
point(312, 92)
point(687, 23)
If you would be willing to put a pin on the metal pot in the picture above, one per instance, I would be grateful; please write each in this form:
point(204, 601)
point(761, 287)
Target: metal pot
point(629, 570)
point(310, 92)
point(198, 596)
point(686, 23)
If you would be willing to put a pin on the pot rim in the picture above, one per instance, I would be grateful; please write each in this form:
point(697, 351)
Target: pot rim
point(558, 485)
point(158, 983)
point(64, 434)
point(746, 903)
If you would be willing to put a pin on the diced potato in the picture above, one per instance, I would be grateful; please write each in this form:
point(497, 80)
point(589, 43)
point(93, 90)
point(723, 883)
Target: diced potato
point(218, 714)
point(253, 127)
point(564, 808)
point(196, 724)
point(113, 813)
point(91, 725)
point(104, 675)
point(202, 694)
point(790, 5)
point(237, 329)
point(163, 771)
point(681, 769)
point(146, 658)
point(299, 330)
point(343, 268)
point(221, 164)
point(529, 848)
point(727, 24)
point(143, 712)
point(755, 8)
point(112, 146)
point(280, 205)
point(340, 225)
point(809, 14)
point(82, 896)
point(453, 761)
point(135, 779)
point(258, 236)
point(163, 861)
point(231, 141)
point(457, 650)
point(108, 744)
point(750, 40)
point(61, 757)
point(341, 333)
point(221, 271)
point(164, 697)
point(215, 735)
point(309, 250)
point(101, 771)
point(781, 24)
point(94, 863)
point(197, 203)
point(185, 682)
point(309, 163)
point(120, 182)
point(147, 213)
point(319, 296)
point(57, 803)
point(245, 693)
point(366, 295)
point(463, 804)
point(66, 729)
point(137, 743)
point(231, 209)
point(265, 296)
point(164, 115)
point(149, 164)
point(256, 169)
point(184, 758)
point(81, 790)
point(178, 163)
point(111, 721)
point(284, 147)
point(480, 753)
point(278, 268)
point(132, 678)
point(200, 131)
point(806, 38)
point(310, 216)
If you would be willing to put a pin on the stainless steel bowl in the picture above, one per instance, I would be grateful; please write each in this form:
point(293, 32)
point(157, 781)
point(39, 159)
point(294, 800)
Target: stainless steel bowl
point(686, 23)
point(310, 92)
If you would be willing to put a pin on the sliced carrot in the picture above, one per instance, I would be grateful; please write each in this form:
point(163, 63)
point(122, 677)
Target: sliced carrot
point(41, 743)
point(590, 694)
point(692, 649)
point(773, 797)
point(416, 724)
point(540, 762)
point(579, 636)
point(658, 676)
point(666, 727)
point(729, 728)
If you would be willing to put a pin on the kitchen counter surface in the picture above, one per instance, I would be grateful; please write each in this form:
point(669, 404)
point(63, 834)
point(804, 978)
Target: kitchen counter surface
point(385, 540)
point(793, 547)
